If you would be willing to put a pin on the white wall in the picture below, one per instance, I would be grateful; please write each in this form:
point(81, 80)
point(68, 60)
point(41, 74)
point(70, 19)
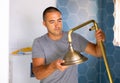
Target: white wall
point(25, 25)
point(26, 21)
point(20, 69)
point(4, 24)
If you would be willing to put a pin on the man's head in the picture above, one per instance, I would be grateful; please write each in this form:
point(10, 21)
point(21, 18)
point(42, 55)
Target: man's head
point(52, 20)
point(48, 10)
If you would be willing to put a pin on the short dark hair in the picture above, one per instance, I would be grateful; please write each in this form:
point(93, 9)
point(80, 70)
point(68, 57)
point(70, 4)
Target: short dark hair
point(50, 9)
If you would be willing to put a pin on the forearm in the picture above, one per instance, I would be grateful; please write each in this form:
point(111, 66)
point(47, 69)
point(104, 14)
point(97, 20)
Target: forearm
point(98, 50)
point(43, 71)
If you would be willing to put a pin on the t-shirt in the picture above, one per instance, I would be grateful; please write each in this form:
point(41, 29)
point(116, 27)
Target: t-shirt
point(50, 50)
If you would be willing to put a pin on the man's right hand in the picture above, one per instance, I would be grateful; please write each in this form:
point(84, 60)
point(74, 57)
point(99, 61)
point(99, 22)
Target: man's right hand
point(57, 65)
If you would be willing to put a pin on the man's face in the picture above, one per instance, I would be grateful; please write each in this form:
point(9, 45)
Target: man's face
point(53, 22)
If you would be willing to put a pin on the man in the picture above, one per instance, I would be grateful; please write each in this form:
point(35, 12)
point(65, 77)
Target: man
point(49, 49)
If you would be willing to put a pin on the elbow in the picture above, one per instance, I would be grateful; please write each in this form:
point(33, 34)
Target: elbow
point(37, 75)
point(99, 56)
point(98, 53)
point(38, 78)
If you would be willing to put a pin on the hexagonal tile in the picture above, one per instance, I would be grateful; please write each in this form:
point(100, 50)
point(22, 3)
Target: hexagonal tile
point(91, 81)
point(99, 15)
point(62, 2)
point(108, 33)
point(109, 1)
point(82, 79)
point(65, 13)
point(97, 65)
point(65, 26)
point(82, 68)
point(116, 69)
point(82, 3)
point(111, 61)
point(109, 48)
point(72, 21)
point(72, 6)
point(82, 15)
point(104, 79)
point(92, 61)
point(92, 9)
point(101, 3)
point(110, 21)
point(91, 74)
point(94, 17)
point(117, 80)
point(116, 55)
point(110, 8)
point(102, 65)
point(102, 26)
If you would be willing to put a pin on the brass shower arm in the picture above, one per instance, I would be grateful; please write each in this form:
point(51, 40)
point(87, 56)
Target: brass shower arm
point(94, 27)
point(80, 26)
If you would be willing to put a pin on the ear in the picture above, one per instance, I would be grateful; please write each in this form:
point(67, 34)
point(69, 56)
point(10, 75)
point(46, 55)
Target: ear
point(44, 23)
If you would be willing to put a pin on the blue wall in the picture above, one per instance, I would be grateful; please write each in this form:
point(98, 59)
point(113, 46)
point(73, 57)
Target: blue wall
point(76, 12)
point(113, 52)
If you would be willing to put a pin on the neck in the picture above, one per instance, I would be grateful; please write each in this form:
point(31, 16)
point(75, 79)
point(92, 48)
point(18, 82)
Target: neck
point(55, 37)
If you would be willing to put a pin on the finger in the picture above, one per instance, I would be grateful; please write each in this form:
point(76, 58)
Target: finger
point(61, 67)
point(60, 61)
point(100, 35)
point(99, 32)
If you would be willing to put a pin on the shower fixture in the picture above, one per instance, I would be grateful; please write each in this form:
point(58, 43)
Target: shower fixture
point(74, 57)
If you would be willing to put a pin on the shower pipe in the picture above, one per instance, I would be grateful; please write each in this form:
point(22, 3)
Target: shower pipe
point(94, 27)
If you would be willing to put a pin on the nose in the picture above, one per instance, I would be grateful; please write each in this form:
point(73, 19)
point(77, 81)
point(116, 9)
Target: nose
point(56, 24)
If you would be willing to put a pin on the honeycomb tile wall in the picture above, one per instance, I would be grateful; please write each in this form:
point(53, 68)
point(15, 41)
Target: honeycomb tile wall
point(76, 12)
point(113, 52)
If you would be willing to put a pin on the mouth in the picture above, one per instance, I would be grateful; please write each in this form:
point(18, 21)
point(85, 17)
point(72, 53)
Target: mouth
point(57, 28)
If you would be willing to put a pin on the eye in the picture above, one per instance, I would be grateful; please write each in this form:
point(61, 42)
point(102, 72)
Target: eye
point(51, 22)
point(59, 20)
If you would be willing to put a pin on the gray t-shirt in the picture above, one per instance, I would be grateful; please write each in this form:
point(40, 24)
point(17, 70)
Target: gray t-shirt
point(44, 47)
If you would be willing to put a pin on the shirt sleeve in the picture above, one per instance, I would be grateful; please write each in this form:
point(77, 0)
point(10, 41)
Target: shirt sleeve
point(37, 49)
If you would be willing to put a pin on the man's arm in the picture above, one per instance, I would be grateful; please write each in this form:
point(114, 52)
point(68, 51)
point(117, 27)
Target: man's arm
point(42, 71)
point(94, 49)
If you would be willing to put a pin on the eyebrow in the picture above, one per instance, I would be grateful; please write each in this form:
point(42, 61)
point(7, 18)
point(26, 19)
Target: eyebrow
point(50, 20)
point(54, 20)
point(60, 19)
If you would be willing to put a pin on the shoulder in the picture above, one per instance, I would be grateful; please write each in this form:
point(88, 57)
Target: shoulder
point(39, 41)
point(41, 38)
point(76, 35)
